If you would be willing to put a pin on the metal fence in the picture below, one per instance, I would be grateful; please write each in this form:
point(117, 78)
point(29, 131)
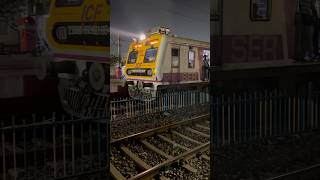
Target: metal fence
point(52, 147)
point(128, 108)
point(247, 116)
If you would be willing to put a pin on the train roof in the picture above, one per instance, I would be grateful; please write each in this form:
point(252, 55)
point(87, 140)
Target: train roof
point(188, 41)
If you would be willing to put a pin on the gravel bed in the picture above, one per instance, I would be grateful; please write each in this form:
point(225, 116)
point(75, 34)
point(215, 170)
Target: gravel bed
point(201, 130)
point(268, 157)
point(148, 156)
point(204, 124)
point(178, 173)
point(123, 164)
point(124, 127)
point(201, 165)
point(180, 140)
point(192, 135)
point(207, 153)
point(166, 147)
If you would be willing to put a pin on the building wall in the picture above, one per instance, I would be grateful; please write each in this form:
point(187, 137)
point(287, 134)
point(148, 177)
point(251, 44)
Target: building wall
point(240, 31)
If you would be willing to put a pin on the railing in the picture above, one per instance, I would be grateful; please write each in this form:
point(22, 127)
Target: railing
point(129, 108)
point(248, 116)
point(52, 147)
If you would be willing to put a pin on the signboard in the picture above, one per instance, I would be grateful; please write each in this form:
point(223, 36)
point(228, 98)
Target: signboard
point(260, 10)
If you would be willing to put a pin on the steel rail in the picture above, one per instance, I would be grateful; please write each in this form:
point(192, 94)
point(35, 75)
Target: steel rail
point(303, 173)
point(152, 171)
point(159, 129)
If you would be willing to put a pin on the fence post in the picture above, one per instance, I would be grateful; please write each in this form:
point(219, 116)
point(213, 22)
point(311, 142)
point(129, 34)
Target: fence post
point(222, 119)
point(54, 146)
point(260, 113)
point(24, 145)
point(72, 143)
point(245, 116)
point(14, 147)
point(64, 145)
point(299, 114)
point(240, 119)
point(270, 114)
point(3, 152)
point(234, 118)
point(316, 110)
point(229, 117)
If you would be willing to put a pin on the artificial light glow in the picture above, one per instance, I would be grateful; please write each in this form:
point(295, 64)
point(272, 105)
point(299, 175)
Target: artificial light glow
point(153, 42)
point(142, 37)
point(137, 46)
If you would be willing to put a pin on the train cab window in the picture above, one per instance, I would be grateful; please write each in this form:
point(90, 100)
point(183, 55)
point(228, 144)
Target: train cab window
point(191, 59)
point(150, 55)
point(260, 10)
point(132, 57)
point(68, 3)
point(175, 54)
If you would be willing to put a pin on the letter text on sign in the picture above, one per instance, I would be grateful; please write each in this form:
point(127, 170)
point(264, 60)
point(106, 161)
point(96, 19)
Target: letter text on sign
point(91, 12)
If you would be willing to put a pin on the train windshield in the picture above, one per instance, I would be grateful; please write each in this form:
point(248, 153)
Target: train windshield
point(132, 57)
point(150, 55)
point(68, 3)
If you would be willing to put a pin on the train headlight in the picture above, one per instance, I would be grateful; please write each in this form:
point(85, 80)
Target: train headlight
point(149, 72)
point(142, 37)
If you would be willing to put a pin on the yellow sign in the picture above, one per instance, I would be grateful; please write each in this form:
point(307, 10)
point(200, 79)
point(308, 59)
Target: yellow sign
point(79, 29)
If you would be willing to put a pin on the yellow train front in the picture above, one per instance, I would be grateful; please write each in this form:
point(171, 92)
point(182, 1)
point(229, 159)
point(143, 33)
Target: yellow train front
point(163, 62)
point(79, 41)
point(78, 32)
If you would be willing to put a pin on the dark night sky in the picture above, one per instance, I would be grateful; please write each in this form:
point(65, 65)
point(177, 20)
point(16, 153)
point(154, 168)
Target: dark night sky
point(185, 18)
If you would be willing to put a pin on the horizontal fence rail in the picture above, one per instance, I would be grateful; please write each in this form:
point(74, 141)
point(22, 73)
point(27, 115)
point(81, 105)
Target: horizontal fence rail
point(249, 116)
point(52, 147)
point(129, 108)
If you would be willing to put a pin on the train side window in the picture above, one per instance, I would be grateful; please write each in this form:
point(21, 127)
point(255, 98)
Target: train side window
point(68, 3)
point(132, 57)
point(191, 59)
point(175, 54)
point(260, 10)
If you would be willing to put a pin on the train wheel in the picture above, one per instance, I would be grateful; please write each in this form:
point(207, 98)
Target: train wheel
point(97, 76)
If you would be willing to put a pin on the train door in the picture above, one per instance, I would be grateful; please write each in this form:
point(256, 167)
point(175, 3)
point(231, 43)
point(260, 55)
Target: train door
point(175, 65)
point(204, 62)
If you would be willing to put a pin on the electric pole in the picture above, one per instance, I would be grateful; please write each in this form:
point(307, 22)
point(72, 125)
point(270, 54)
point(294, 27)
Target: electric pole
point(119, 51)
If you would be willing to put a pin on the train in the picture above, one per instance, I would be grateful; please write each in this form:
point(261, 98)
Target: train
point(162, 62)
point(78, 31)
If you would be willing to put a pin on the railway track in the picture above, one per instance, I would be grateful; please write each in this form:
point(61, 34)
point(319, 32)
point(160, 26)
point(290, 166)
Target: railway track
point(176, 151)
point(310, 173)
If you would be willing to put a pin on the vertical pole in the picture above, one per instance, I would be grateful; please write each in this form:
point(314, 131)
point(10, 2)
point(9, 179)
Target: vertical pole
point(34, 138)
point(270, 114)
point(260, 114)
point(64, 146)
point(24, 146)
point(234, 118)
point(266, 114)
point(222, 119)
point(14, 148)
point(3, 153)
point(229, 117)
point(54, 147)
point(294, 115)
point(119, 51)
point(72, 144)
